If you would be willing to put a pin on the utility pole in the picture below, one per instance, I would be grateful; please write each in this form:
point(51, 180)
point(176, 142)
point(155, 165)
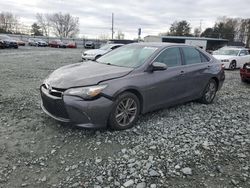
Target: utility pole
point(112, 27)
point(200, 27)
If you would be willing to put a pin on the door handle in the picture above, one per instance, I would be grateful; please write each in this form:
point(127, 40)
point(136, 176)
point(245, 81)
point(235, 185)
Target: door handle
point(182, 72)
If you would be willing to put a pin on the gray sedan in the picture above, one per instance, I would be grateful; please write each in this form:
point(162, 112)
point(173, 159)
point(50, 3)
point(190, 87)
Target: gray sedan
point(134, 79)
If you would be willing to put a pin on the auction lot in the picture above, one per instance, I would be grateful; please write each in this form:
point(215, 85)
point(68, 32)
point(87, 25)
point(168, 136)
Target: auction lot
point(190, 145)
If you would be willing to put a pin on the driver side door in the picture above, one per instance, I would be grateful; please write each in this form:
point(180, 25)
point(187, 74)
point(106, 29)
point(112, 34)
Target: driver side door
point(166, 87)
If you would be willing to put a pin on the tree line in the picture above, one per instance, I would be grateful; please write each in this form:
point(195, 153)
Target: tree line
point(233, 29)
point(59, 24)
point(66, 25)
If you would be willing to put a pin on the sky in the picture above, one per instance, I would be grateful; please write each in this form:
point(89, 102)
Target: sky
point(152, 16)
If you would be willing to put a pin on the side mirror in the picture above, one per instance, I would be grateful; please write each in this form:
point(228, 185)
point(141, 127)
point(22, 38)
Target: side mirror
point(242, 54)
point(157, 66)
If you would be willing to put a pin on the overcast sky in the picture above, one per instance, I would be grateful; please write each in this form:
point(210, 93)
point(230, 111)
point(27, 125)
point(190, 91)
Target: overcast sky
point(153, 16)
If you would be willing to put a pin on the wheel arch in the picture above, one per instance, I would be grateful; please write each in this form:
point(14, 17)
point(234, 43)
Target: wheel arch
point(135, 92)
point(217, 81)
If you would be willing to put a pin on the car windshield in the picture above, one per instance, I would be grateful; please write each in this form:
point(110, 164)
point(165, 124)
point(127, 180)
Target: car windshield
point(128, 56)
point(226, 52)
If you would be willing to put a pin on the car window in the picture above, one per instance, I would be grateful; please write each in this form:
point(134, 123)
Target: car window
point(204, 58)
point(244, 52)
point(128, 56)
point(191, 55)
point(171, 57)
point(114, 47)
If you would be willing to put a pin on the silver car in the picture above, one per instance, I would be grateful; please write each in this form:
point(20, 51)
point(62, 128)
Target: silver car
point(95, 54)
point(134, 79)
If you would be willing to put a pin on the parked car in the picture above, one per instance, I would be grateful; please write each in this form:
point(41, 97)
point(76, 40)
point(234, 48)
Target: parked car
point(71, 44)
point(19, 42)
point(37, 42)
point(95, 54)
point(132, 80)
point(89, 45)
point(8, 41)
point(245, 72)
point(232, 57)
point(57, 44)
point(32, 42)
point(42, 43)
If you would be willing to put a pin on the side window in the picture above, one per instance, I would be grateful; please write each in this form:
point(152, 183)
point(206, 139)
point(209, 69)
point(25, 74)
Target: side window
point(114, 47)
point(244, 52)
point(191, 55)
point(204, 58)
point(171, 57)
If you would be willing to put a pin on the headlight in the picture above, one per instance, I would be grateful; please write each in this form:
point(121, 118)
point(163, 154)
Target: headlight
point(225, 60)
point(86, 92)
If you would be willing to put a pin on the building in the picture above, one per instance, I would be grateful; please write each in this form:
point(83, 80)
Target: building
point(202, 42)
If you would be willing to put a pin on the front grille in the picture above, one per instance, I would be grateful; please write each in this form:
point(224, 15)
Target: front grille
point(54, 105)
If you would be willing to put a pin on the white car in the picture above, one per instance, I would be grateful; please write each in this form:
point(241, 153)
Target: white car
point(95, 54)
point(232, 57)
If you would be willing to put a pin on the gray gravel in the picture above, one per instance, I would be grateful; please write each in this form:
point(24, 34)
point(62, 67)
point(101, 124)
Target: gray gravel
point(190, 145)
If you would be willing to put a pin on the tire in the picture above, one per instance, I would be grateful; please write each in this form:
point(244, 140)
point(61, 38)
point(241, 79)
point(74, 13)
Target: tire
point(233, 65)
point(209, 93)
point(119, 118)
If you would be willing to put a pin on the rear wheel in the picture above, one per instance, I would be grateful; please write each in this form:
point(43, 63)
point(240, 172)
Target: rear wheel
point(209, 92)
point(125, 111)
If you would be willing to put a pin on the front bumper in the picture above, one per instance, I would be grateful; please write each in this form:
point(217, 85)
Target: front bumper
point(75, 110)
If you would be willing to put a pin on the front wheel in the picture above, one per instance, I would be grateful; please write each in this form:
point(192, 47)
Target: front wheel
point(209, 92)
point(125, 111)
point(233, 65)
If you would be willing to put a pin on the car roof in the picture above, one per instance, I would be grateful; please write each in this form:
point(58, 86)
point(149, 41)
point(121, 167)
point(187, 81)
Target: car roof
point(159, 44)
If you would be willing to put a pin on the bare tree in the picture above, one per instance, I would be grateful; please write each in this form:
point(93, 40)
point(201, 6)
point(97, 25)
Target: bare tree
point(43, 22)
point(8, 22)
point(64, 25)
point(197, 32)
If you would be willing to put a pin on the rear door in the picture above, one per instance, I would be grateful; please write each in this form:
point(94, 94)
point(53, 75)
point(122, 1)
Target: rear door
point(196, 71)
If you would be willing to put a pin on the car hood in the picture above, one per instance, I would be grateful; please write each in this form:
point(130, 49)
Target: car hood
point(84, 74)
point(95, 52)
point(220, 57)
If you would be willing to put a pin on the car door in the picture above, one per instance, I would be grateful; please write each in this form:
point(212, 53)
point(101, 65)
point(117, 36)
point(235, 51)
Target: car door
point(196, 71)
point(166, 87)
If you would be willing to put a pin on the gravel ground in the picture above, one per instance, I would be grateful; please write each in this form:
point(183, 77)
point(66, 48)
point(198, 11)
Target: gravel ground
point(191, 145)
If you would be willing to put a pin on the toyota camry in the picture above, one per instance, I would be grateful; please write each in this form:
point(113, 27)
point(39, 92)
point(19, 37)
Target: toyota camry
point(115, 89)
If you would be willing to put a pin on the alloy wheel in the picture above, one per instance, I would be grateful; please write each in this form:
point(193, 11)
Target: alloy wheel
point(210, 91)
point(126, 111)
point(232, 65)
